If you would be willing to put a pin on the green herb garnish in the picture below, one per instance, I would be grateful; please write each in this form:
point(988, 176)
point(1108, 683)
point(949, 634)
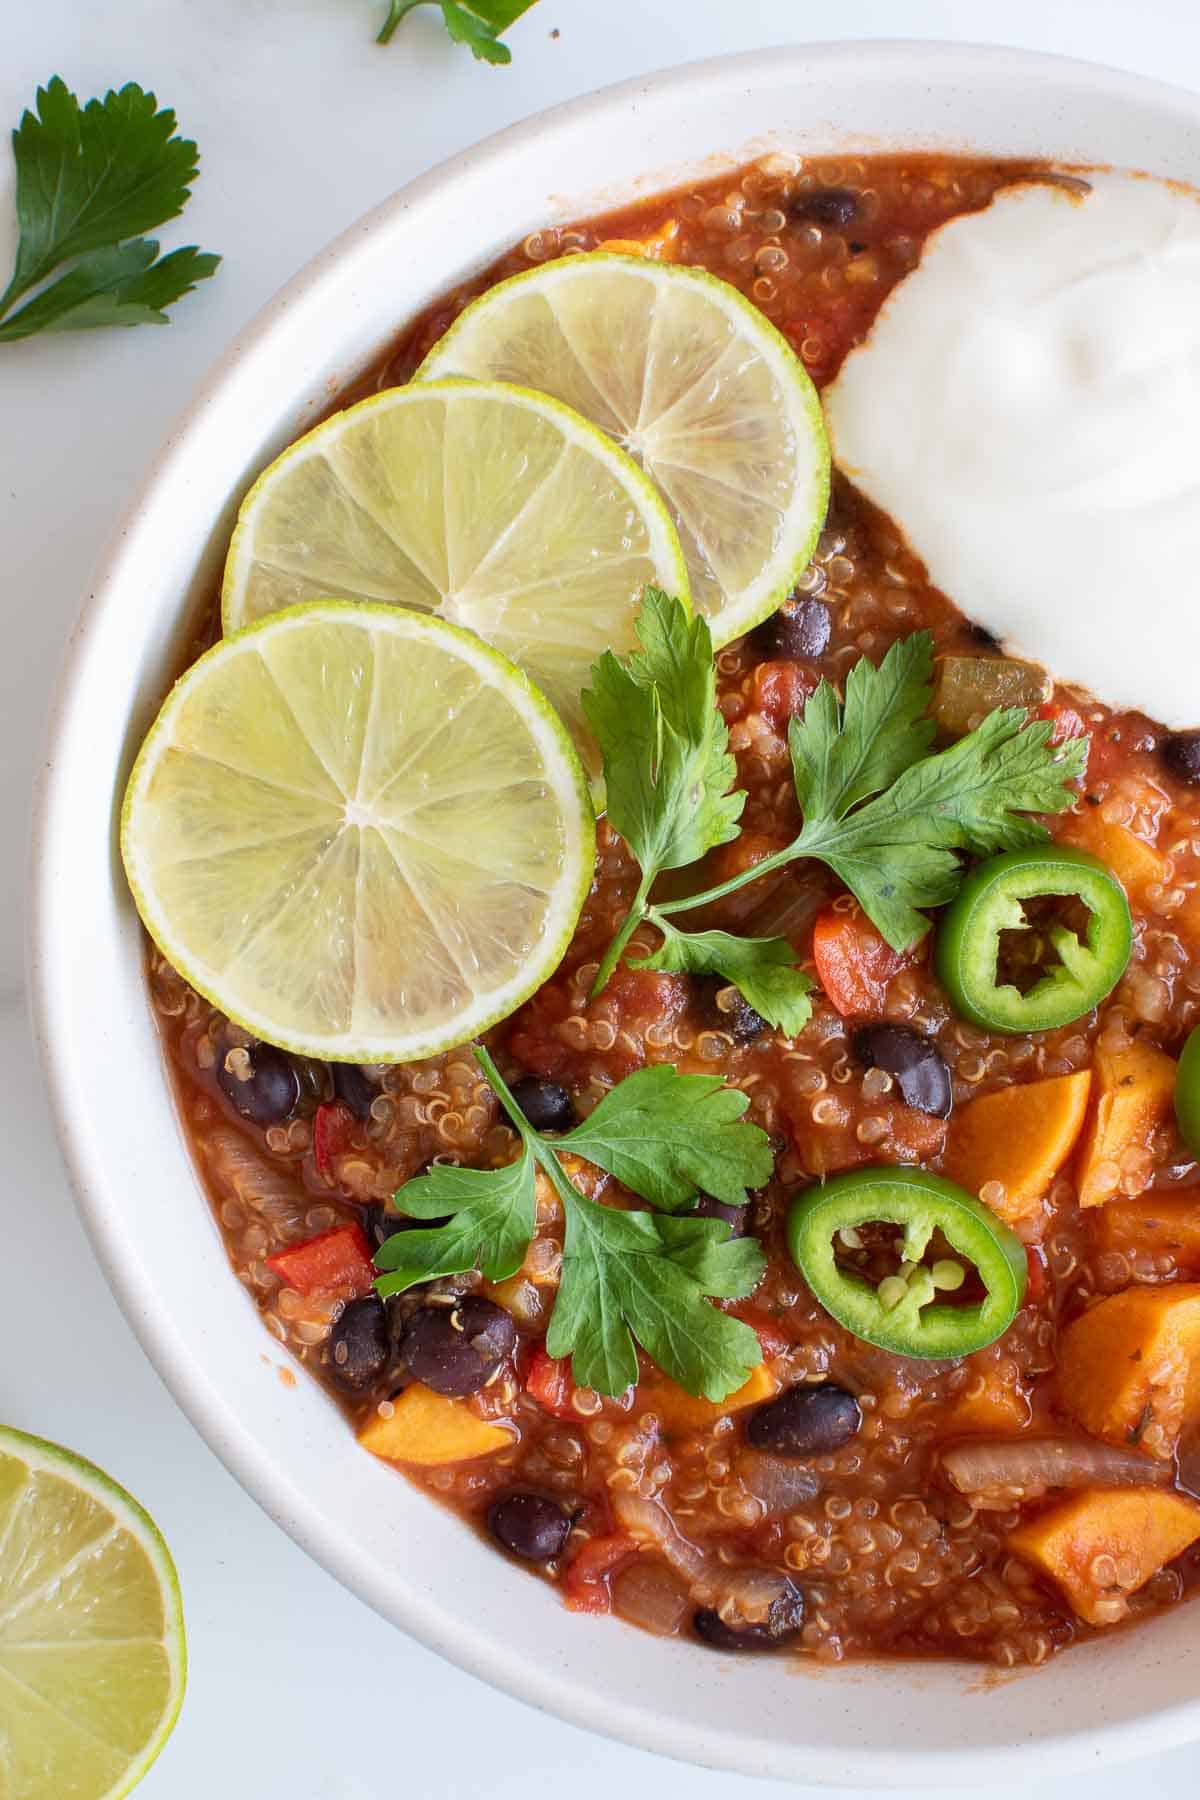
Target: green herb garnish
point(886, 814)
point(626, 1276)
point(667, 772)
point(476, 23)
point(90, 181)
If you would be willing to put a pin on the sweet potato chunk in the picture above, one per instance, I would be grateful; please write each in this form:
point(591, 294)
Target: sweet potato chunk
point(1129, 1370)
point(1134, 1095)
point(681, 1411)
point(1134, 862)
point(661, 245)
point(429, 1429)
point(993, 1407)
point(1103, 1544)
point(1161, 1224)
point(1019, 1137)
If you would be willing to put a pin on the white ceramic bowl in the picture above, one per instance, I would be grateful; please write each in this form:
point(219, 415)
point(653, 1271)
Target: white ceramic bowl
point(141, 1200)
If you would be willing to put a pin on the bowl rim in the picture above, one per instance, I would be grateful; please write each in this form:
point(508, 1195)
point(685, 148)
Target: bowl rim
point(183, 1372)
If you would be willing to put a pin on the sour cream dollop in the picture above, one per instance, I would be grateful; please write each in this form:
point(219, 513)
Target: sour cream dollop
point(1027, 409)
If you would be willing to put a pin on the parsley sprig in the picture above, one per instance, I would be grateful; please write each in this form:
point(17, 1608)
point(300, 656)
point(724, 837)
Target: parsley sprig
point(626, 1276)
point(476, 23)
point(890, 816)
point(90, 181)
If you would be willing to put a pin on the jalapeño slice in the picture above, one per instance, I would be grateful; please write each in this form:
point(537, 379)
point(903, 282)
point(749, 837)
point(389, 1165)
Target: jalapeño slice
point(991, 902)
point(1187, 1093)
point(904, 1313)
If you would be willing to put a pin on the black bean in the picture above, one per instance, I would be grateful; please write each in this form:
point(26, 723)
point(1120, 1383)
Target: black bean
point(380, 1223)
point(798, 631)
point(979, 634)
point(353, 1087)
point(547, 1106)
point(531, 1525)
point(781, 1626)
point(262, 1083)
point(806, 1421)
point(457, 1349)
point(826, 206)
point(360, 1344)
point(1181, 753)
point(915, 1064)
point(734, 1216)
point(726, 1009)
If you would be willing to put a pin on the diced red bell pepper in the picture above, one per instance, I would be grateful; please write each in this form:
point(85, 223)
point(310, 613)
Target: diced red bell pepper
point(333, 1134)
point(549, 1380)
point(335, 1264)
point(1066, 721)
point(1037, 1280)
point(585, 1578)
point(771, 1336)
point(780, 690)
point(854, 961)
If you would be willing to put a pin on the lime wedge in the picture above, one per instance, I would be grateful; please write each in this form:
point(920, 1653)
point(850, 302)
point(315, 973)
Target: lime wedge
point(92, 1652)
point(688, 377)
point(359, 831)
point(496, 508)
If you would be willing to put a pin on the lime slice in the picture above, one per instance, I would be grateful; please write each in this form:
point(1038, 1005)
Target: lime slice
point(497, 508)
point(696, 384)
point(359, 832)
point(92, 1652)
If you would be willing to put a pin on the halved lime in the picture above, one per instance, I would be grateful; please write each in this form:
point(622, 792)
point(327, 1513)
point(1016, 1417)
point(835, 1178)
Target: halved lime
point(359, 831)
point(93, 1658)
point(696, 384)
point(496, 508)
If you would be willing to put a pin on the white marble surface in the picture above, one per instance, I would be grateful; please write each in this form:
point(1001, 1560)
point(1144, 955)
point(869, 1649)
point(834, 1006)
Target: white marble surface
point(296, 1689)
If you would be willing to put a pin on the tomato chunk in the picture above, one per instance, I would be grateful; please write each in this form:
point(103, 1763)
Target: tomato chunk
point(333, 1134)
point(771, 1335)
point(854, 961)
point(585, 1579)
point(335, 1263)
point(780, 690)
point(1066, 721)
point(548, 1379)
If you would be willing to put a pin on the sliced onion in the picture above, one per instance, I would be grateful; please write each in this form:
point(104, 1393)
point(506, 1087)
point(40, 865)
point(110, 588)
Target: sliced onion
point(650, 1524)
point(787, 909)
point(266, 1191)
point(744, 1594)
point(651, 1595)
point(1029, 1466)
point(780, 1484)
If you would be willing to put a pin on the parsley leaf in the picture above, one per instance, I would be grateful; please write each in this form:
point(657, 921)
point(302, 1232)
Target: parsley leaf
point(492, 1213)
point(840, 760)
point(630, 1273)
point(667, 1136)
point(667, 765)
point(762, 969)
point(124, 285)
point(889, 816)
point(896, 853)
point(627, 1277)
point(476, 23)
point(89, 179)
